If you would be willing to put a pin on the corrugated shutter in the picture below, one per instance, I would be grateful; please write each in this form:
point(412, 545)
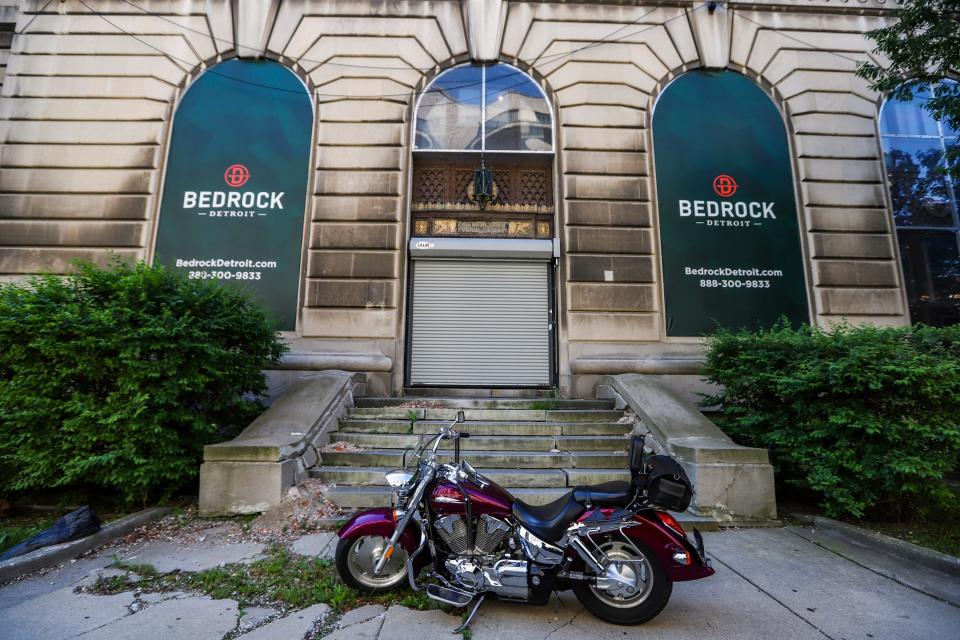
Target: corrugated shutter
point(480, 323)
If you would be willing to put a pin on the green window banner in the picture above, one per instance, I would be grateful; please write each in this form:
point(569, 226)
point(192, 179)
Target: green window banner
point(729, 234)
point(235, 189)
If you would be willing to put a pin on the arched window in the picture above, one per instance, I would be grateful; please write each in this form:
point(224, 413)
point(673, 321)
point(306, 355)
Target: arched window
point(924, 201)
point(483, 108)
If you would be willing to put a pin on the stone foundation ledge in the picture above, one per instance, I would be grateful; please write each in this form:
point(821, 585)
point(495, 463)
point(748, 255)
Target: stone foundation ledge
point(251, 473)
point(731, 483)
point(655, 364)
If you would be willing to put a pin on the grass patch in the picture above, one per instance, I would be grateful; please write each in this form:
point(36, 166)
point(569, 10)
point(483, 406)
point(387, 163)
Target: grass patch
point(143, 570)
point(282, 579)
point(544, 405)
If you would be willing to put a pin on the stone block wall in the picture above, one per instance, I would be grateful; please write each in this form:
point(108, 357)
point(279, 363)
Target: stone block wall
point(88, 103)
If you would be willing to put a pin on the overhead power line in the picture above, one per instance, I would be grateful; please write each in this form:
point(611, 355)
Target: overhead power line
point(237, 45)
point(409, 94)
point(414, 94)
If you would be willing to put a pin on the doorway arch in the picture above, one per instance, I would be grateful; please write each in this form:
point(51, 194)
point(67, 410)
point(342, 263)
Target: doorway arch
point(481, 309)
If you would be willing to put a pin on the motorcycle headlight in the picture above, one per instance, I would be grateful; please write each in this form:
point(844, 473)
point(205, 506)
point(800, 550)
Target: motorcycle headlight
point(398, 477)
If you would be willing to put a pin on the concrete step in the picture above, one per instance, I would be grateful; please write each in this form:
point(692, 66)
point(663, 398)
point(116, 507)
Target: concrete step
point(487, 428)
point(523, 415)
point(490, 392)
point(484, 459)
point(374, 476)
point(487, 443)
point(366, 497)
point(487, 403)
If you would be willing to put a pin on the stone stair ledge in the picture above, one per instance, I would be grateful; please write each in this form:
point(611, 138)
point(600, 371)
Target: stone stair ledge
point(732, 483)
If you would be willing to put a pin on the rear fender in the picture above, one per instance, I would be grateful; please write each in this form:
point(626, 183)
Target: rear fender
point(379, 522)
point(665, 542)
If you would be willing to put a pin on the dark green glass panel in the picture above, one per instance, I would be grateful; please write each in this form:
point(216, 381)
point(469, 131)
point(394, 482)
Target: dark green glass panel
point(236, 182)
point(931, 271)
point(730, 240)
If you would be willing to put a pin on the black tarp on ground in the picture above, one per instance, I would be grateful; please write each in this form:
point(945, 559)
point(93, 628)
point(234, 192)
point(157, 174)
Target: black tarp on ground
point(76, 524)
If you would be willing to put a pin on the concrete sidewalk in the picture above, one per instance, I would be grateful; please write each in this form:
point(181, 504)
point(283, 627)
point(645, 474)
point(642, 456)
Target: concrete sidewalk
point(770, 584)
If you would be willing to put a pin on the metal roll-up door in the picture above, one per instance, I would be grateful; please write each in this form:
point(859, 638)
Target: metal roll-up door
point(480, 323)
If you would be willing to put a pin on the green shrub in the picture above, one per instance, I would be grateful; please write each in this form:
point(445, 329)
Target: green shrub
point(116, 378)
point(866, 417)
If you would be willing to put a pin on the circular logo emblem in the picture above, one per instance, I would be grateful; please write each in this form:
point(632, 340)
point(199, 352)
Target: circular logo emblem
point(236, 175)
point(724, 185)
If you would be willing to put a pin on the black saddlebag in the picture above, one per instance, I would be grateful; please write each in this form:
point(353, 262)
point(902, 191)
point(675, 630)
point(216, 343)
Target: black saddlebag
point(668, 486)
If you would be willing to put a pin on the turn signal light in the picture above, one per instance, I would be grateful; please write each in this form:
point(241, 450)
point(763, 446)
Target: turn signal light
point(671, 522)
point(681, 557)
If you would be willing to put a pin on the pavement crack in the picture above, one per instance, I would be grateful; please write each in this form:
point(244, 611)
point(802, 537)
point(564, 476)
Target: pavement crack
point(565, 624)
point(382, 622)
point(774, 598)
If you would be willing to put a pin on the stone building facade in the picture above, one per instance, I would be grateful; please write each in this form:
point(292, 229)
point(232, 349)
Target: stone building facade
point(92, 89)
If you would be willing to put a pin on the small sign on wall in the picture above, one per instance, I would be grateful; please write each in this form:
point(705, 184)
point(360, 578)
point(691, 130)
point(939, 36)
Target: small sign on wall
point(236, 180)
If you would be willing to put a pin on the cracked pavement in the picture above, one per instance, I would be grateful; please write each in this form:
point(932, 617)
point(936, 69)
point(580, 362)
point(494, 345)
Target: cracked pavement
point(769, 583)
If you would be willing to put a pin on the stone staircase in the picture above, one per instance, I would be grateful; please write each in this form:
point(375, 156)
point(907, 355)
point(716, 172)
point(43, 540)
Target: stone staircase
point(537, 448)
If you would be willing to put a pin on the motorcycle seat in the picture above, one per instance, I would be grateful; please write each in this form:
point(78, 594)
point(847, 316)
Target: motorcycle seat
point(548, 521)
point(607, 494)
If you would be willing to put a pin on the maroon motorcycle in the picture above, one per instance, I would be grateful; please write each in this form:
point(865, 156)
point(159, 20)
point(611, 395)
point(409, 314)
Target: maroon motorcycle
point(613, 544)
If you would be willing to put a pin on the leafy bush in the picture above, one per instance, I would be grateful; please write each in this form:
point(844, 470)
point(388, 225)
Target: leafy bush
point(116, 378)
point(866, 417)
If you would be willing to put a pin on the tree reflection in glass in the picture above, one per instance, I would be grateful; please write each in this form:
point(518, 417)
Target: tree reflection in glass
point(918, 182)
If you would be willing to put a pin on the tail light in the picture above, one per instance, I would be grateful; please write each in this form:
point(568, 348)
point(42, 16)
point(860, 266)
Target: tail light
point(671, 522)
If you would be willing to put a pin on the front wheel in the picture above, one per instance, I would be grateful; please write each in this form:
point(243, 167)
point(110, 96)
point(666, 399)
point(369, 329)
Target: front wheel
point(356, 558)
point(643, 588)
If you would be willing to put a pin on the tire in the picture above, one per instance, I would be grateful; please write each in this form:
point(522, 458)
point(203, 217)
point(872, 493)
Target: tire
point(648, 601)
point(355, 558)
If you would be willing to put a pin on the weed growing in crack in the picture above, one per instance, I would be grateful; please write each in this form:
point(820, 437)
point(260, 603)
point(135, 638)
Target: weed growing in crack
point(281, 579)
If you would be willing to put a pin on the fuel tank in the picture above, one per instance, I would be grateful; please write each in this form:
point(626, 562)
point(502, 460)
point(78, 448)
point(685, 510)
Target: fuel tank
point(488, 497)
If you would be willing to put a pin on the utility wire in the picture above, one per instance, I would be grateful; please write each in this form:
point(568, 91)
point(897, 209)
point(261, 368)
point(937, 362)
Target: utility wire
point(543, 60)
point(30, 22)
point(237, 45)
point(409, 94)
point(798, 40)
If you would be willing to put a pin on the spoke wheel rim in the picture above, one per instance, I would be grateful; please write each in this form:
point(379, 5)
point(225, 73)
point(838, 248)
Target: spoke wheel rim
point(631, 564)
point(362, 557)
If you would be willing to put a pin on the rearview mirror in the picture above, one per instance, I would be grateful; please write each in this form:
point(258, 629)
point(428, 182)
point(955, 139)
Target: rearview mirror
point(459, 416)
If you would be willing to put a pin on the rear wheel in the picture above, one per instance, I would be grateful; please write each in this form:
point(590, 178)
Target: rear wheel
point(641, 588)
point(356, 558)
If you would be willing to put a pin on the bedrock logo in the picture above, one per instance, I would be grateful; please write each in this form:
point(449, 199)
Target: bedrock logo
point(726, 213)
point(233, 204)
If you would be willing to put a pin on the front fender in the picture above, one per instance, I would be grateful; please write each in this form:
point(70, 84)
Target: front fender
point(379, 522)
point(665, 542)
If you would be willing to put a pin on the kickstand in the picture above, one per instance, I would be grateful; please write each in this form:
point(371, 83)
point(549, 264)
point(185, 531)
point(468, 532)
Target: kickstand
point(473, 612)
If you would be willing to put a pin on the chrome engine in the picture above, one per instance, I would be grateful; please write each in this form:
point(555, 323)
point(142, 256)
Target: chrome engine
point(489, 534)
point(506, 577)
point(487, 566)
